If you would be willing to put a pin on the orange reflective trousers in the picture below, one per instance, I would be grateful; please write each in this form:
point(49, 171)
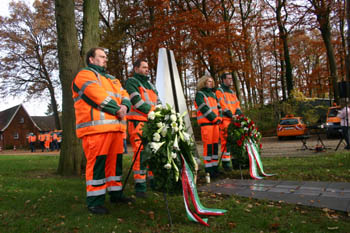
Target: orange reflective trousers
point(210, 139)
point(140, 171)
point(104, 165)
point(226, 158)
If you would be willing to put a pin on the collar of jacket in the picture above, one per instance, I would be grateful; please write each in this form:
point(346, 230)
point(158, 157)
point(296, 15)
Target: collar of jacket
point(142, 78)
point(224, 87)
point(101, 70)
point(208, 91)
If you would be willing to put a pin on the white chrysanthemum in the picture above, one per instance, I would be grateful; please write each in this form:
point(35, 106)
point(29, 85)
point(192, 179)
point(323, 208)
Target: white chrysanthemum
point(156, 137)
point(160, 124)
point(173, 155)
point(166, 117)
point(151, 115)
point(176, 129)
point(159, 106)
point(167, 166)
point(173, 117)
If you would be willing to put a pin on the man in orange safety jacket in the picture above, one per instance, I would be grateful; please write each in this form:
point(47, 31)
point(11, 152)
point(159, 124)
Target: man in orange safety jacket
point(100, 105)
point(230, 106)
point(209, 118)
point(144, 98)
point(41, 138)
point(31, 141)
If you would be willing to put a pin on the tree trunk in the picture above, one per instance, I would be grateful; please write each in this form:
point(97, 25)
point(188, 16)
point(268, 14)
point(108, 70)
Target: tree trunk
point(54, 107)
point(322, 11)
point(91, 32)
point(284, 40)
point(71, 155)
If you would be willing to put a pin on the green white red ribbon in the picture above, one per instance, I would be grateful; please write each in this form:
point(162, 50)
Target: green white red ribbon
point(254, 161)
point(189, 187)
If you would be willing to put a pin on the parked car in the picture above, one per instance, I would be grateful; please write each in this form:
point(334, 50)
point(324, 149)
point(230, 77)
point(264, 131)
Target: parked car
point(291, 126)
point(332, 125)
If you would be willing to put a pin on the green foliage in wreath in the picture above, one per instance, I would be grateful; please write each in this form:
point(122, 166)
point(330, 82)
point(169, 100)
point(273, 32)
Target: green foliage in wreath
point(239, 131)
point(165, 139)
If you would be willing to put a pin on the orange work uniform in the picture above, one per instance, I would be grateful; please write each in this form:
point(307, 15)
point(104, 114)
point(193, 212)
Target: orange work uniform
point(97, 99)
point(144, 98)
point(230, 105)
point(31, 141)
point(209, 118)
point(42, 141)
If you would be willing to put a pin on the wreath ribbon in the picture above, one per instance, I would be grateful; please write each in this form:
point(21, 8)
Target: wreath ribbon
point(189, 190)
point(255, 161)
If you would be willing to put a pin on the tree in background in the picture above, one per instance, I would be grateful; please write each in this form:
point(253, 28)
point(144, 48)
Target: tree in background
point(28, 60)
point(322, 10)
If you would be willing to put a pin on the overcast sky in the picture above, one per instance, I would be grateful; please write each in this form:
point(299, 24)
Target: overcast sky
point(34, 107)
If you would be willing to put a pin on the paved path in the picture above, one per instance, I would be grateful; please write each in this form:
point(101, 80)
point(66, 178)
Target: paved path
point(331, 195)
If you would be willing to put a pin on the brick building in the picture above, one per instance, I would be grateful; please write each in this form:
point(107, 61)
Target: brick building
point(16, 124)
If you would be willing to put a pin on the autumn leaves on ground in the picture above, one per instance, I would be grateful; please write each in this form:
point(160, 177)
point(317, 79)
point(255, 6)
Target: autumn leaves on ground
point(33, 198)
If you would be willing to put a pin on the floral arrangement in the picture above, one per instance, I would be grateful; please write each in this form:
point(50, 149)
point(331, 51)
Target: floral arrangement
point(165, 140)
point(239, 132)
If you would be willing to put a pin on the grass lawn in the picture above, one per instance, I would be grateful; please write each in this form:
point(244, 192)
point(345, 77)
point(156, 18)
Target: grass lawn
point(33, 198)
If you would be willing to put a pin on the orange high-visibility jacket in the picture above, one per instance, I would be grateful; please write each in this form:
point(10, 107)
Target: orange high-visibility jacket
point(211, 114)
point(41, 137)
point(31, 138)
point(228, 101)
point(96, 102)
point(148, 96)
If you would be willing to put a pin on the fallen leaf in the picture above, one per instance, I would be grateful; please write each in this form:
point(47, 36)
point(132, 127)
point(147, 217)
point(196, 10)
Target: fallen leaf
point(151, 215)
point(332, 228)
point(274, 226)
point(232, 225)
point(120, 220)
point(247, 210)
point(250, 206)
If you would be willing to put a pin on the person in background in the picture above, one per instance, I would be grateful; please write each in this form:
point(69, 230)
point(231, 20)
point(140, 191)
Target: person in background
point(344, 115)
point(230, 106)
point(47, 141)
point(100, 104)
point(54, 140)
point(31, 141)
point(144, 98)
point(209, 118)
point(42, 141)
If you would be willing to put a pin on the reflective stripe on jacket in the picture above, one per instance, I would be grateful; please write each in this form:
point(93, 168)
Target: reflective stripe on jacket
point(212, 107)
point(96, 101)
point(148, 96)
